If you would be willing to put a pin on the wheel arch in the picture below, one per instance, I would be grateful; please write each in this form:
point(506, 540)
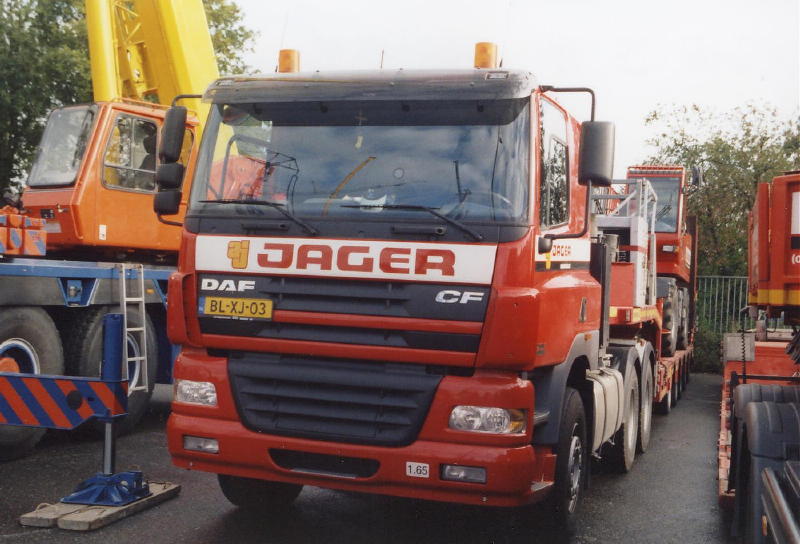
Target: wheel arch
point(550, 385)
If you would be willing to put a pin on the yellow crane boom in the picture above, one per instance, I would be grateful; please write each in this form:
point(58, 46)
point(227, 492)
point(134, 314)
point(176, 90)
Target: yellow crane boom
point(150, 50)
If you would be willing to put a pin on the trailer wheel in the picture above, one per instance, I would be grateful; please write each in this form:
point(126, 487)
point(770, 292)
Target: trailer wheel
point(83, 350)
point(670, 339)
point(623, 451)
point(674, 391)
point(258, 495)
point(30, 338)
point(646, 411)
point(664, 406)
point(572, 456)
point(683, 316)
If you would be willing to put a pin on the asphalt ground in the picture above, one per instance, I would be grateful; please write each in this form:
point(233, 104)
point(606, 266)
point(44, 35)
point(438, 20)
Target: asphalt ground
point(669, 496)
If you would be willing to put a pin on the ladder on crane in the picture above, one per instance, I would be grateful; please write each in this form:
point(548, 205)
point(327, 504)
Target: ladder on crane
point(134, 325)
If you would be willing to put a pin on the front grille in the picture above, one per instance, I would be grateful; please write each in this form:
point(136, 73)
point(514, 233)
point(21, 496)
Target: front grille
point(364, 297)
point(337, 400)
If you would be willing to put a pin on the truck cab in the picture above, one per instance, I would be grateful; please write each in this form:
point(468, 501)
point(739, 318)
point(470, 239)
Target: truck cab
point(389, 282)
point(676, 247)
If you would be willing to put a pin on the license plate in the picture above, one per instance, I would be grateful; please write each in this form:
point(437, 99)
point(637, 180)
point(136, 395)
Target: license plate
point(251, 308)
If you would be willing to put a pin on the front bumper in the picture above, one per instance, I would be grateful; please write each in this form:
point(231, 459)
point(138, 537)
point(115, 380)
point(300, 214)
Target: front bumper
point(510, 471)
point(516, 472)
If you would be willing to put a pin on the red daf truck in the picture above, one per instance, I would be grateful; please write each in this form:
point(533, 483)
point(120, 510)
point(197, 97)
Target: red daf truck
point(759, 441)
point(392, 282)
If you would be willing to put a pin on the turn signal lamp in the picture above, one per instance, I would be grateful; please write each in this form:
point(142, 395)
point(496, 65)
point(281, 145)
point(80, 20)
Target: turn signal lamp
point(288, 61)
point(485, 55)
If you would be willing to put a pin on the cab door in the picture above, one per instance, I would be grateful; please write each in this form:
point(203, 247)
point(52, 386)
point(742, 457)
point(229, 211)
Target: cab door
point(124, 203)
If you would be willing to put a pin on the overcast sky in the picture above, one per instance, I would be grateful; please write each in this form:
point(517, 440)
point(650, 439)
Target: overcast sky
point(635, 54)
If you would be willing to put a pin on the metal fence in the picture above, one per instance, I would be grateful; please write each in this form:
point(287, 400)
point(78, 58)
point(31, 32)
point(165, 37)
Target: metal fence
point(720, 300)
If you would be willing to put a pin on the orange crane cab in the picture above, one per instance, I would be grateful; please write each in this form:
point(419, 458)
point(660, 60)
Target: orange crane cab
point(673, 228)
point(94, 175)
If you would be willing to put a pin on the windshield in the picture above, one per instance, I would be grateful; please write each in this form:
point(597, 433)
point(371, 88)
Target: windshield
point(371, 160)
point(667, 191)
point(63, 145)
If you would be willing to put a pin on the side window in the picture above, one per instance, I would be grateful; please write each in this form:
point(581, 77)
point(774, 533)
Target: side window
point(554, 204)
point(130, 160)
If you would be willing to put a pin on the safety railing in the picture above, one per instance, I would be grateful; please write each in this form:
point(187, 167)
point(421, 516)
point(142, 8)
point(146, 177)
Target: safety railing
point(720, 300)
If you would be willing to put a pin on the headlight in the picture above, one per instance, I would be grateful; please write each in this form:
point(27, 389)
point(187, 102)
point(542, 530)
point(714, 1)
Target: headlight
point(669, 249)
point(202, 393)
point(480, 419)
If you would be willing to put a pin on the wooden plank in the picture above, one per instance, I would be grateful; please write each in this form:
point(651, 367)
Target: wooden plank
point(82, 517)
point(48, 515)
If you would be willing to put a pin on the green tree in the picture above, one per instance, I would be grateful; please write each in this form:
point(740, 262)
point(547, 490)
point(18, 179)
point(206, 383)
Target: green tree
point(737, 150)
point(230, 36)
point(44, 64)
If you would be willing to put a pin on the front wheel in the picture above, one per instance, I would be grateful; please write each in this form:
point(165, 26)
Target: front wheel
point(571, 461)
point(29, 343)
point(258, 495)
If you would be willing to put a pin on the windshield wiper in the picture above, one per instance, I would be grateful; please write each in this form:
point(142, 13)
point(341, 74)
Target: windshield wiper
point(458, 224)
point(274, 205)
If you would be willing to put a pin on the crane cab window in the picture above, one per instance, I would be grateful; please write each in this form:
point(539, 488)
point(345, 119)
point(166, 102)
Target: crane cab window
point(554, 180)
point(130, 159)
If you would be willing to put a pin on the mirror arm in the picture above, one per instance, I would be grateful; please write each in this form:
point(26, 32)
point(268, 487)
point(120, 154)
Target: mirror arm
point(586, 217)
point(167, 221)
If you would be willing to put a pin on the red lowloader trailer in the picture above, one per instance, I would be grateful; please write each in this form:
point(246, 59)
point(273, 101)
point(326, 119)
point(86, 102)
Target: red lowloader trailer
point(759, 442)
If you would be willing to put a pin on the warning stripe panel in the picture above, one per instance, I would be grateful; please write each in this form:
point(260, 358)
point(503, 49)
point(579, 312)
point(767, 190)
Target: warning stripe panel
point(19, 407)
point(48, 404)
point(67, 387)
point(41, 401)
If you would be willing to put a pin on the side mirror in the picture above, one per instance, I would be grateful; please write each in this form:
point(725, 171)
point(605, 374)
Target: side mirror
point(544, 245)
point(172, 134)
point(596, 160)
point(167, 202)
point(169, 176)
point(697, 176)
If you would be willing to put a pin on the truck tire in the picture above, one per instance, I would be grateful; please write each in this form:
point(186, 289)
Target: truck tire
point(646, 408)
point(572, 456)
point(258, 495)
point(29, 336)
point(623, 451)
point(83, 349)
point(669, 340)
point(664, 406)
point(683, 315)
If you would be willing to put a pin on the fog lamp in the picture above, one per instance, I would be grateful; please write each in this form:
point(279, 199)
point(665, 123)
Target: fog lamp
point(198, 443)
point(457, 473)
